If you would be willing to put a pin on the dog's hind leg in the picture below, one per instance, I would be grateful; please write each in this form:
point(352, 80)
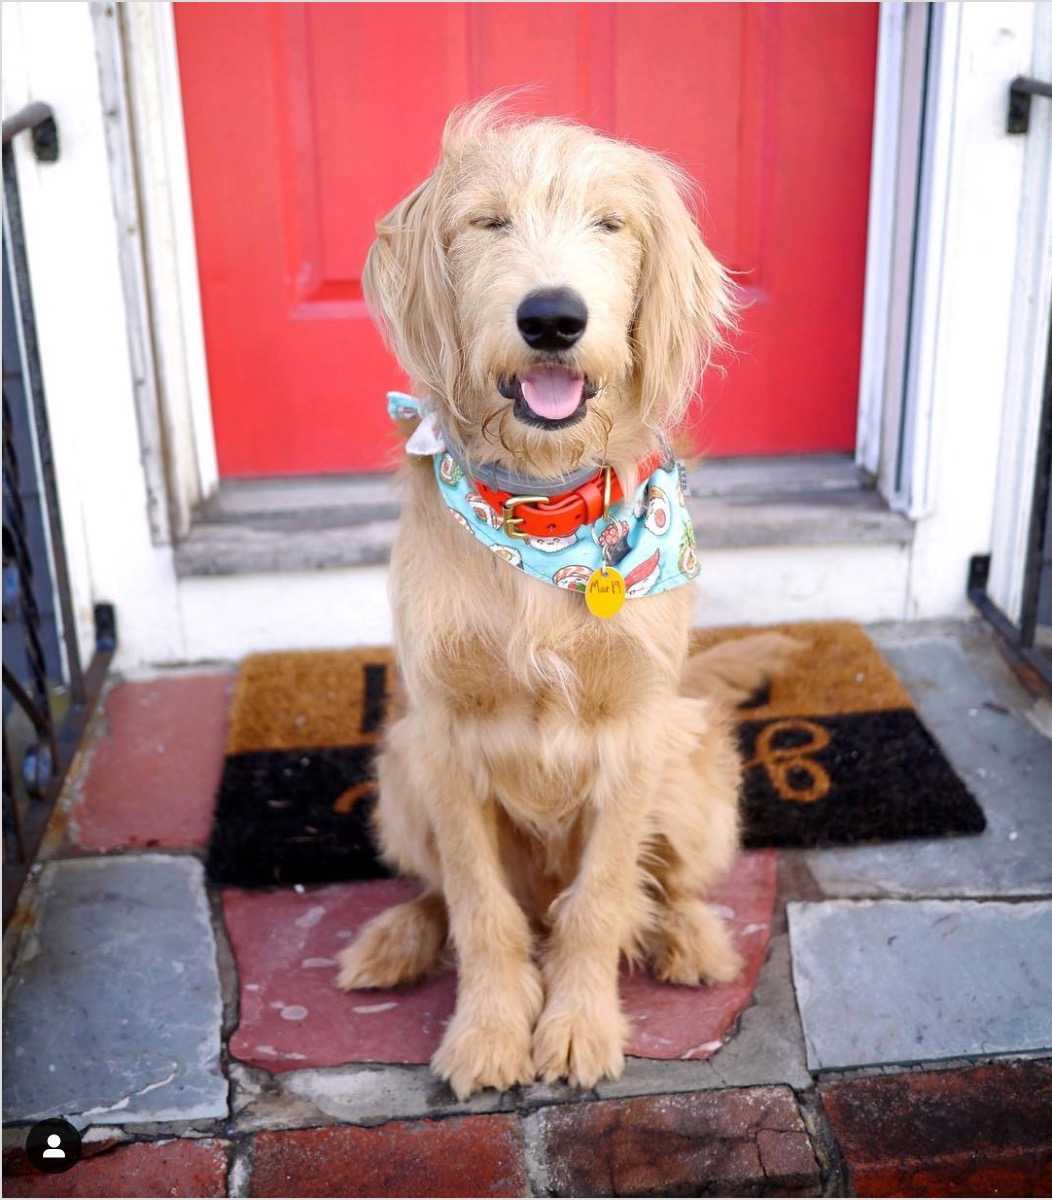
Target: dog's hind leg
point(697, 839)
point(692, 944)
point(401, 945)
point(401, 823)
point(404, 943)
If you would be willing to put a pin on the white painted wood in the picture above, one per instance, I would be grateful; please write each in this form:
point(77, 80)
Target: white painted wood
point(900, 298)
point(937, 164)
point(124, 189)
point(236, 615)
point(155, 99)
point(1028, 346)
point(967, 267)
point(881, 233)
point(232, 616)
point(812, 583)
point(73, 247)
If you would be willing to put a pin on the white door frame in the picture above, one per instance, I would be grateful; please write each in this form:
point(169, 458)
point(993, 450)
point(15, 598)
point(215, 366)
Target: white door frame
point(885, 201)
point(155, 117)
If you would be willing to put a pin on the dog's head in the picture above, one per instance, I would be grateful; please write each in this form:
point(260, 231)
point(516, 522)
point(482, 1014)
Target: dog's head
point(550, 291)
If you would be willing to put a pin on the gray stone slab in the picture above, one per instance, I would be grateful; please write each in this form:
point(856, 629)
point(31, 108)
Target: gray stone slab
point(901, 981)
point(362, 1094)
point(977, 711)
point(113, 1008)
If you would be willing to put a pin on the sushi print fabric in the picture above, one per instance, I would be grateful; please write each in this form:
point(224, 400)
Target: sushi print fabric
point(648, 537)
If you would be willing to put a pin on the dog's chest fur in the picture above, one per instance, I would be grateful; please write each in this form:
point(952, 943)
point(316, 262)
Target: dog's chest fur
point(529, 681)
point(535, 725)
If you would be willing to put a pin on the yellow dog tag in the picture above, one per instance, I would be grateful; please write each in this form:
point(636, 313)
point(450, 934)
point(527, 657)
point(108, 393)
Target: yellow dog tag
point(605, 592)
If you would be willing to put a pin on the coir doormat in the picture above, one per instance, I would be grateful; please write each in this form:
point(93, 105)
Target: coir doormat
point(835, 754)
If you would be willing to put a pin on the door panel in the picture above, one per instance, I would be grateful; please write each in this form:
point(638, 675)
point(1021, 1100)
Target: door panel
point(307, 122)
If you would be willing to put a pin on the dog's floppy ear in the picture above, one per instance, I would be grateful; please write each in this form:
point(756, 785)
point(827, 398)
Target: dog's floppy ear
point(407, 286)
point(684, 300)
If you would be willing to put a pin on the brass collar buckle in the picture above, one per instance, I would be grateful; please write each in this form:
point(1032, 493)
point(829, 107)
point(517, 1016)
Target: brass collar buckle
point(511, 521)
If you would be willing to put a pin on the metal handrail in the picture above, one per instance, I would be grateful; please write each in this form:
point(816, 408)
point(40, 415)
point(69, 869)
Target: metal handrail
point(39, 119)
point(50, 692)
point(1020, 92)
point(26, 118)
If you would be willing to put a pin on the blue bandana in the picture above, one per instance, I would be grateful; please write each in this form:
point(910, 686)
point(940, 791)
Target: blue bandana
point(649, 537)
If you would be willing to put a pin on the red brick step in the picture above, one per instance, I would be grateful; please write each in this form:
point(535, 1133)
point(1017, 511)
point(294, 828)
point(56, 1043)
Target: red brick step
point(983, 1131)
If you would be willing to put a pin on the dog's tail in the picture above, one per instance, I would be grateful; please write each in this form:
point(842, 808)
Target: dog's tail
point(737, 670)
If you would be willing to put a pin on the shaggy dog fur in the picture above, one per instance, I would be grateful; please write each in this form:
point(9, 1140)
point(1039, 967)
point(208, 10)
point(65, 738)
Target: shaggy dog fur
point(565, 788)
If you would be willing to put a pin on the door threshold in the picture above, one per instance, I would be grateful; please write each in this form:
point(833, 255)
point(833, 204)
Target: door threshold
point(309, 523)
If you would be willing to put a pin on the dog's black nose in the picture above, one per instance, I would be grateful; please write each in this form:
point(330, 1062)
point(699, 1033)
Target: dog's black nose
point(552, 319)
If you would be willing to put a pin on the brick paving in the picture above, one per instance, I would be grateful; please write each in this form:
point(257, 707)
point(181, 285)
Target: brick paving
point(986, 1131)
point(259, 1079)
point(462, 1156)
point(184, 1167)
point(153, 776)
point(748, 1141)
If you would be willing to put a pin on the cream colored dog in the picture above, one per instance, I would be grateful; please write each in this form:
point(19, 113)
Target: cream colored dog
point(565, 788)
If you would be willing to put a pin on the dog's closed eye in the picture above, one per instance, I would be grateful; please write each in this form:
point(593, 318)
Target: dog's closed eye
point(609, 223)
point(491, 221)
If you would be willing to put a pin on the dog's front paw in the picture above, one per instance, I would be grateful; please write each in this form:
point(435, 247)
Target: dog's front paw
point(478, 1054)
point(582, 1047)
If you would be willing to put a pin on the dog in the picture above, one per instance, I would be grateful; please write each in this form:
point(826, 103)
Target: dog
point(564, 787)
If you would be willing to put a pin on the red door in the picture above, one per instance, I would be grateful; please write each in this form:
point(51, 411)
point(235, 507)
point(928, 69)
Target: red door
point(306, 122)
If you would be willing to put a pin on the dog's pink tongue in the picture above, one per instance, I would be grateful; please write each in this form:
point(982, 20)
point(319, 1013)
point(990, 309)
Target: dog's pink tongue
point(552, 394)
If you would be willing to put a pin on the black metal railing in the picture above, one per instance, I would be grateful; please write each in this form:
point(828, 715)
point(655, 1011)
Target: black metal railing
point(47, 695)
point(1024, 640)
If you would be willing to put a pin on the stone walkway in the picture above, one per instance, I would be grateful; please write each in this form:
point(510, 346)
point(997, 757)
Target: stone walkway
point(896, 1040)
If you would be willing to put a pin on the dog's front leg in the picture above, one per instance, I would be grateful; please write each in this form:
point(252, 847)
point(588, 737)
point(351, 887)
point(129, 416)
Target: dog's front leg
point(581, 1033)
point(499, 994)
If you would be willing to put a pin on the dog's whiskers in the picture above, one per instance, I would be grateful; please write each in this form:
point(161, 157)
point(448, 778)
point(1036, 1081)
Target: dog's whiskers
point(500, 412)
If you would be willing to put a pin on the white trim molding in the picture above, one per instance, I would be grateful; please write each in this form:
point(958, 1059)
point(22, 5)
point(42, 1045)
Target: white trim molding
point(896, 194)
point(880, 240)
point(156, 118)
point(915, 468)
point(138, 321)
point(1029, 345)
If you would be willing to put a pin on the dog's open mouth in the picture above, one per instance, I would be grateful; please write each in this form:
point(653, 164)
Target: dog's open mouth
point(550, 397)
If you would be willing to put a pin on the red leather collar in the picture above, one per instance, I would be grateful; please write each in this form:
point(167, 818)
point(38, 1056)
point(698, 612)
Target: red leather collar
point(563, 515)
